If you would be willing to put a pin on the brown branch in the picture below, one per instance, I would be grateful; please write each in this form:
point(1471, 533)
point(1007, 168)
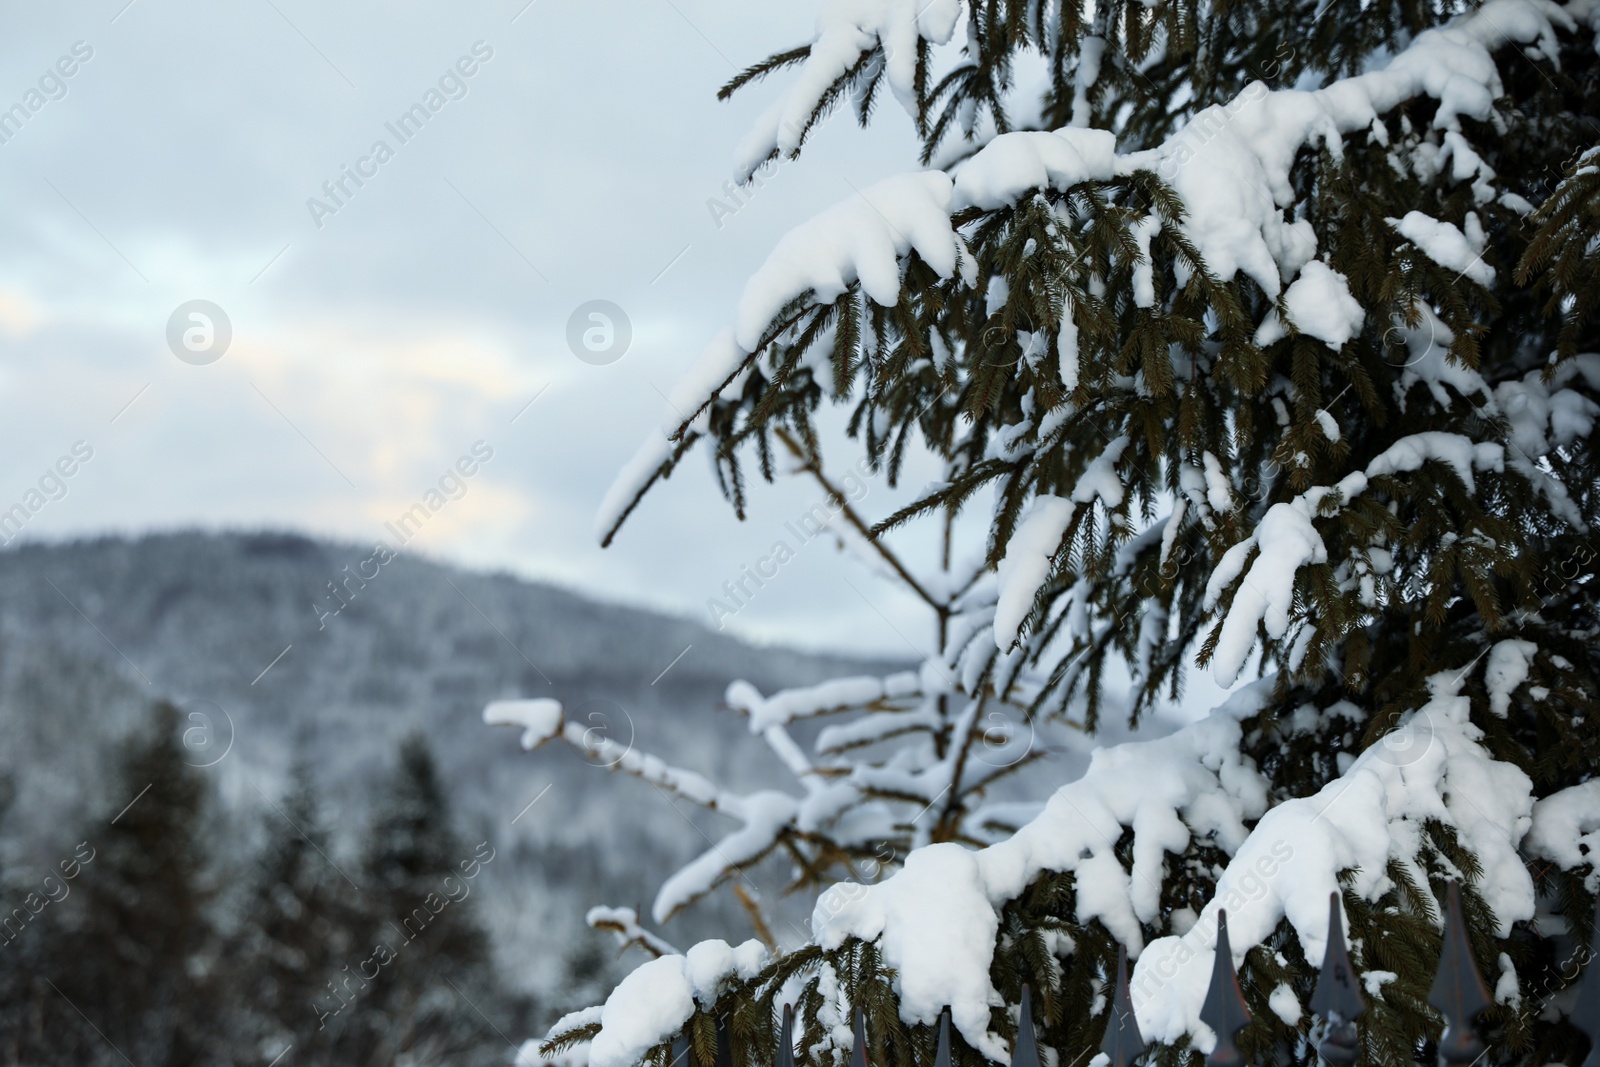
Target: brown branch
point(955, 792)
point(753, 909)
point(812, 467)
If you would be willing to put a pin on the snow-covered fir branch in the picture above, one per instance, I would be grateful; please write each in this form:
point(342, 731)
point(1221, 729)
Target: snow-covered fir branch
point(1272, 360)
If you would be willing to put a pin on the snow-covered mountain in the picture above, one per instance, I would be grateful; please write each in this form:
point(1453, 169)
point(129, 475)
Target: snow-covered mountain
point(240, 630)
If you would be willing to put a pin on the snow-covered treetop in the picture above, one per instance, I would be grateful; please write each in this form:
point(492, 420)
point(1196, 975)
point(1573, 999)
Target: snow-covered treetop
point(1261, 339)
point(1075, 330)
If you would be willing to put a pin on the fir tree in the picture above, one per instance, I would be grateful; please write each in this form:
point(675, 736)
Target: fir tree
point(302, 924)
point(138, 941)
point(18, 951)
point(433, 994)
point(1259, 340)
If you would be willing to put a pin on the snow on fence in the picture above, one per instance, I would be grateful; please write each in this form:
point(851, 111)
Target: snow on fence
point(1459, 995)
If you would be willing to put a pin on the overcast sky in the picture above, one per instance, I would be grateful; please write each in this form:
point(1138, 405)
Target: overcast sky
point(374, 343)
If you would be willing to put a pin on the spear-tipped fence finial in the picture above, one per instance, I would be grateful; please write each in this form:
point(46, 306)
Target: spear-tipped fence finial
point(1123, 1043)
point(1586, 1009)
point(785, 1056)
point(1225, 1010)
point(1025, 1053)
point(1458, 990)
point(941, 1058)
point(1337, 997)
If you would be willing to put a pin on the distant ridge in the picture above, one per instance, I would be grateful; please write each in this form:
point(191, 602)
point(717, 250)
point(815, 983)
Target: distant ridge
point(224, 624)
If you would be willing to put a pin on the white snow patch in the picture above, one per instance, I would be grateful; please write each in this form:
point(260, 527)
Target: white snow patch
point(847, 30)
point(1373, 813)
point(1219, 494)
point(1017, 163)
point(1374, 981)
point(1286, 540)
point(540, 719)
point(1284, 1004)
point(1026, 565)
point(1321, 306)
point(940, 913)
point(1460, 453)
point(1066, 352)
point(1566, 829)
point(862, 238)
point(787, 705)
point(765, 814)
point(941, 887)
point(1507, 668)
point(1445, 245)
point(654, 1001)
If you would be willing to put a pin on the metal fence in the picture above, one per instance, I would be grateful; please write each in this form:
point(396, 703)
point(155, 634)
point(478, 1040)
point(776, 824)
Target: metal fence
point(1459, 995)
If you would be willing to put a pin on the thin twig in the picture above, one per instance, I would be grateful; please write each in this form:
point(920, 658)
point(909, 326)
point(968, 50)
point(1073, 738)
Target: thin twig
point(752, 908)
point(812, 467)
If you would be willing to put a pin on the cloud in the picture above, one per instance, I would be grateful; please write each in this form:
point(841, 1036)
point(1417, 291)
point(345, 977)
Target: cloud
point(428, 312)
point(18, 314)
